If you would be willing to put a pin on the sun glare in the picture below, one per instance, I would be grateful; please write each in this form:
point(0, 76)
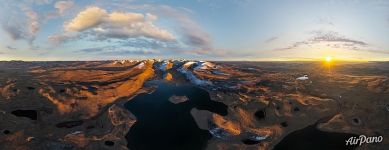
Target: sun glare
point(328, 59)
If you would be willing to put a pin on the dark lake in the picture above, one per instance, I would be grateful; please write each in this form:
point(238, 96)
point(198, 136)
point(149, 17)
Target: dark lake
point(164, 125)
point(32, 114)
point(311, 138)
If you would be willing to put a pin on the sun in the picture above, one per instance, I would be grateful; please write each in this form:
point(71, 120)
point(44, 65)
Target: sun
point(328, 59)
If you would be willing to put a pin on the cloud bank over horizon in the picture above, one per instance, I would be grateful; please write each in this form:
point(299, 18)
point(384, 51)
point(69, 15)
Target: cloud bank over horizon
point(212, 30)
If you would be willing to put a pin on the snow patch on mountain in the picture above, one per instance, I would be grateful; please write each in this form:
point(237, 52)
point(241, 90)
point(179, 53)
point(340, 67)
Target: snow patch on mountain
point(219, 133)
point(188, 64)
point(123, 62)
point(202, 65)
point(185, 69)
point(220, 73)
point(140, 65)
point(305, 77)
point(166, 65)
point(192, 78)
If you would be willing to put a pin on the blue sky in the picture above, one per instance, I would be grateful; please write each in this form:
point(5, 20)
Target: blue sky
point(196, 29)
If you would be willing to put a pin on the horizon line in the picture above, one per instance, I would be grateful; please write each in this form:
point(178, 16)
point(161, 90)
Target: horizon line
point(215, 60)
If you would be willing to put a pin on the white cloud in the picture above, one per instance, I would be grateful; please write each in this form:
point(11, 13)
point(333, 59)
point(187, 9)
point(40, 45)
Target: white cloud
point(125, 18)
point(23, 25)
point(194, 35)
point(62, 6)
point(334, 40)
point(86, 19)
point(59, 38)
point(33, 21)
point(98, 22)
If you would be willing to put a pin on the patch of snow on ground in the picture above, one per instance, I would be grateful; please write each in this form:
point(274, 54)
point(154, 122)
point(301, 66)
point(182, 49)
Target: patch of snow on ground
point(188, 64)
point(140, 65)
point(164, 65)
point(258, 138)
point(305, 77)
point(190, 76)
point(116, 62)
point(76, 132)
point(122, 62)
point(203, 65)
point(219, 133)
point(220, 73)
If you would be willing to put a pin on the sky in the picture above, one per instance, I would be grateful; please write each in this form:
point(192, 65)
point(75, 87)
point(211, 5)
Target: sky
point(250, 30)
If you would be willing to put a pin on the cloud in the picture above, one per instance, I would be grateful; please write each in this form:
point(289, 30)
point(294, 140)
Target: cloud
point(271, 39)
point(132, 29)
point(23, 26)
point(372, 50)
point(192, 37)
point(33, 21)
point(135, 46)
point(57, 39)
point(11, 48)
point(13, 30)
point(146, 43)
point(97, 22)
point(116, 50)
point(62, 6)
point(193, 34)
point(329, 38)
point(90, 17)
point(334, 40)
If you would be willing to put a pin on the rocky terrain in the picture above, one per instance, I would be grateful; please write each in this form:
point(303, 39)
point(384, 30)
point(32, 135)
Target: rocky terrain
point(81, 105)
